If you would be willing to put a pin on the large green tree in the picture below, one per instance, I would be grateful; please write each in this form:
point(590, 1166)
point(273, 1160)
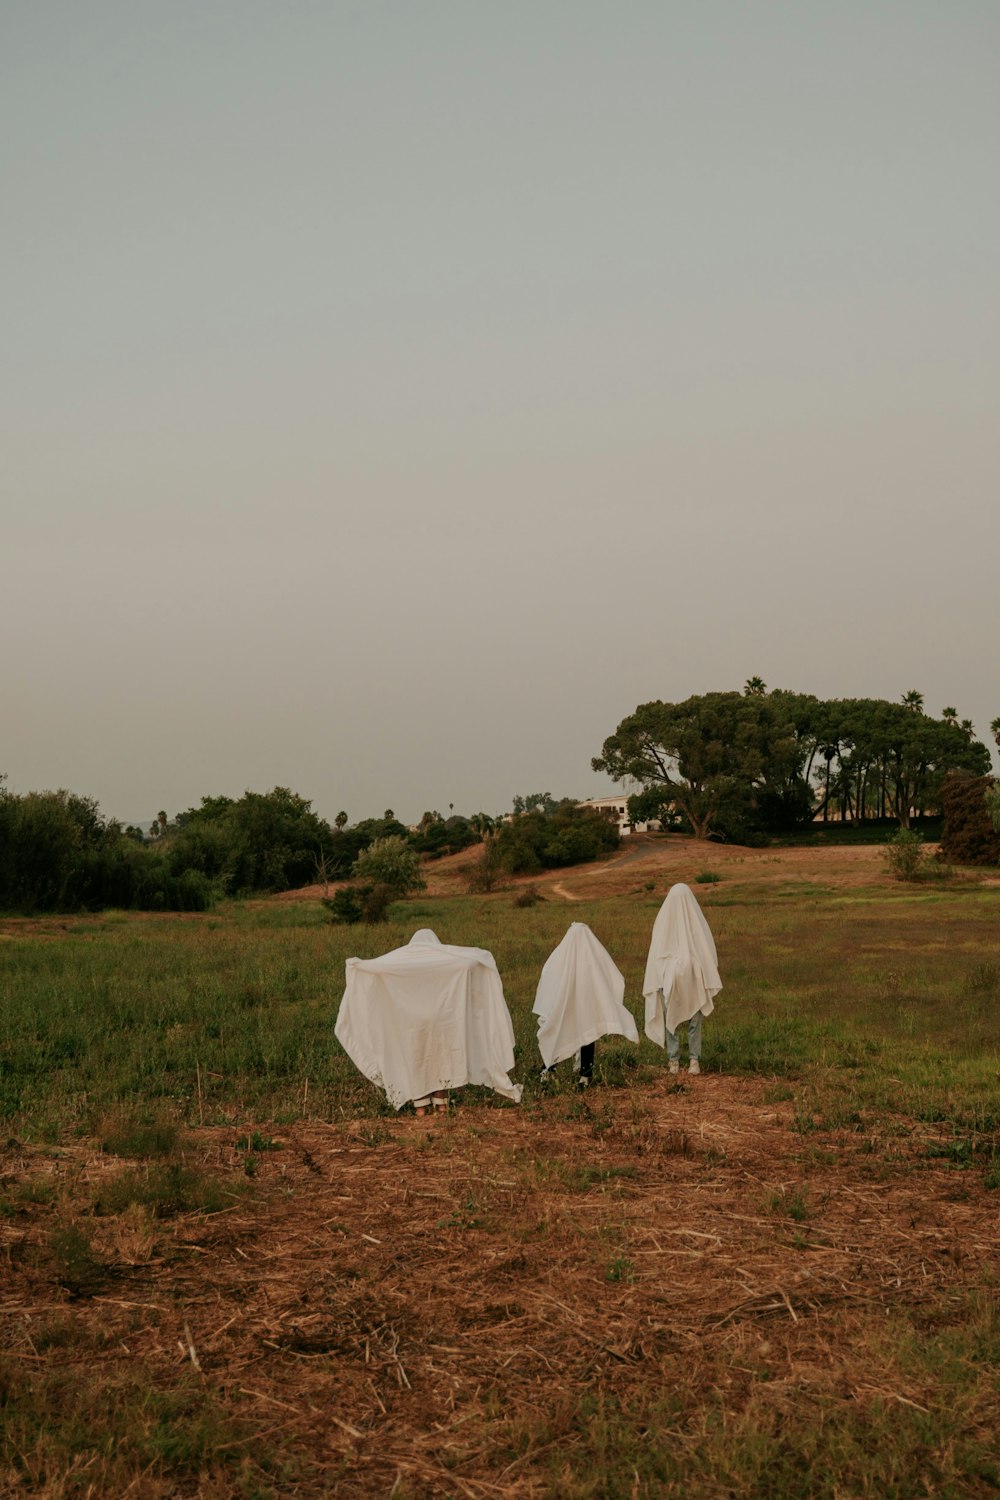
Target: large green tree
point(709, 754)
point(736, 764)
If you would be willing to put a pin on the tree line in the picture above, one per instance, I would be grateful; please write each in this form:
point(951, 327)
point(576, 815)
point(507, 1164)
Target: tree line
point(59, 853)
point(744, 765)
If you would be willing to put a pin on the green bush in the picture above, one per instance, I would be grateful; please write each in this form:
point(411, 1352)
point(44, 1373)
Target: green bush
point(344, 906)
point(390, 862)
point(360, 903)
point(905, 854)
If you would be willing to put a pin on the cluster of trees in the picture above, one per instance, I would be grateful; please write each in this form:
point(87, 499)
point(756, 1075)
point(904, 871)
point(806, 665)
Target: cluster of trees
point(732, 765)
point(745, 765)
point(57, 853)
point(551, 834)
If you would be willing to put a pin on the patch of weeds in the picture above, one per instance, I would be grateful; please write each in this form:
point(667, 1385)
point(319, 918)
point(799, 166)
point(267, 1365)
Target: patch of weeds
point(114, 1436)
point(957, 1153)
point(790, 1205)
point(676, 1142)
point(164, 1191)
point(142, 1140)
point(579, 1177)
point(992, 1177)
point(465, 1217)
point(74, 1265)
point(806, 1119)
point(780, 1093)
point(707, 877)
point(817, 1157)
point(375, 1134)
point(601, 1121)
point(984, 979)
point(620, 1269)
point(38, 1190)
point(257, 1142)
point(63, 1330)
point(530, 896)
point(618, 1067)
point(775, 1047)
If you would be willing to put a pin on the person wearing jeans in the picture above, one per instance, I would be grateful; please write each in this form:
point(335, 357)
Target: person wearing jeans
point(682, 976)
point(694, 1046)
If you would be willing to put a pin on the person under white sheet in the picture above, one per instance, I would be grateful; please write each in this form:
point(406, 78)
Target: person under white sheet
point(580, 999)
point(682, 976)
point(427, 1018)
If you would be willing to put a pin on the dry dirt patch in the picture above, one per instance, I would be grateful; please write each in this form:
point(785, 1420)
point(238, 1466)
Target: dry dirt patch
point(392, 1296)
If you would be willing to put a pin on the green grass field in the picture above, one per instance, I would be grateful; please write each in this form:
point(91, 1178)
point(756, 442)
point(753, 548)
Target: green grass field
point(168, 1089)
point(878, 999)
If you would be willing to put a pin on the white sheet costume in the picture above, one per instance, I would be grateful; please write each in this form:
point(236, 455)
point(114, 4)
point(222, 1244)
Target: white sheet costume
point(427, 1018)
point(579, 997)
point(682, 972)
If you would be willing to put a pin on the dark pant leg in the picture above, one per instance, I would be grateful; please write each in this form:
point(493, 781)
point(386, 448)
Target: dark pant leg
point(587, 1060)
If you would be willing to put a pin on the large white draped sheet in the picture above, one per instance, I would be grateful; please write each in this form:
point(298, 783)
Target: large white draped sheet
point(682, 973)
point(427, 1017)
point(579, 997)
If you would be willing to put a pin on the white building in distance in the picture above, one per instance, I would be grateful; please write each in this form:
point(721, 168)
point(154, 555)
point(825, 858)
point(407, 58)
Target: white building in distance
point(616, 808)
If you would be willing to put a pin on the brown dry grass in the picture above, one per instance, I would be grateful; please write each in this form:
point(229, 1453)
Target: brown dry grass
point(419, 1308)
point(663, 860)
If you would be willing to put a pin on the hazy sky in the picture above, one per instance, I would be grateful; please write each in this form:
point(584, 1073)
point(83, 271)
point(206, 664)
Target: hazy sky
point(397, 394)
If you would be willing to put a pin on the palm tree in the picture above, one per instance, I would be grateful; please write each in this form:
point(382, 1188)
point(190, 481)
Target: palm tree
point(754, 687)
point(950, 716)
point(995, 730)
point(340, 821)
point(913, 700)
point(968, 726)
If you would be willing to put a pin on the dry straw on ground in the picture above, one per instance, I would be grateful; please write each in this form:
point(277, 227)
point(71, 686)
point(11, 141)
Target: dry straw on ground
point(419, 1308)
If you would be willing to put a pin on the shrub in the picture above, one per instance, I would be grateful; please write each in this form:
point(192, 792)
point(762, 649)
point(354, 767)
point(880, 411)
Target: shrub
point(905, 854)
point(375, 901)
point(485, 873)
point(707, 877)
point(390, 862)
point(344, 905)
point(360, 903)
point(530, 896)
point(74, 1264)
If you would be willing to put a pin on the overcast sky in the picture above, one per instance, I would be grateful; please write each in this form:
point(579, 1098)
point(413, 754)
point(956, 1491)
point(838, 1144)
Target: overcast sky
point(397, 393)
